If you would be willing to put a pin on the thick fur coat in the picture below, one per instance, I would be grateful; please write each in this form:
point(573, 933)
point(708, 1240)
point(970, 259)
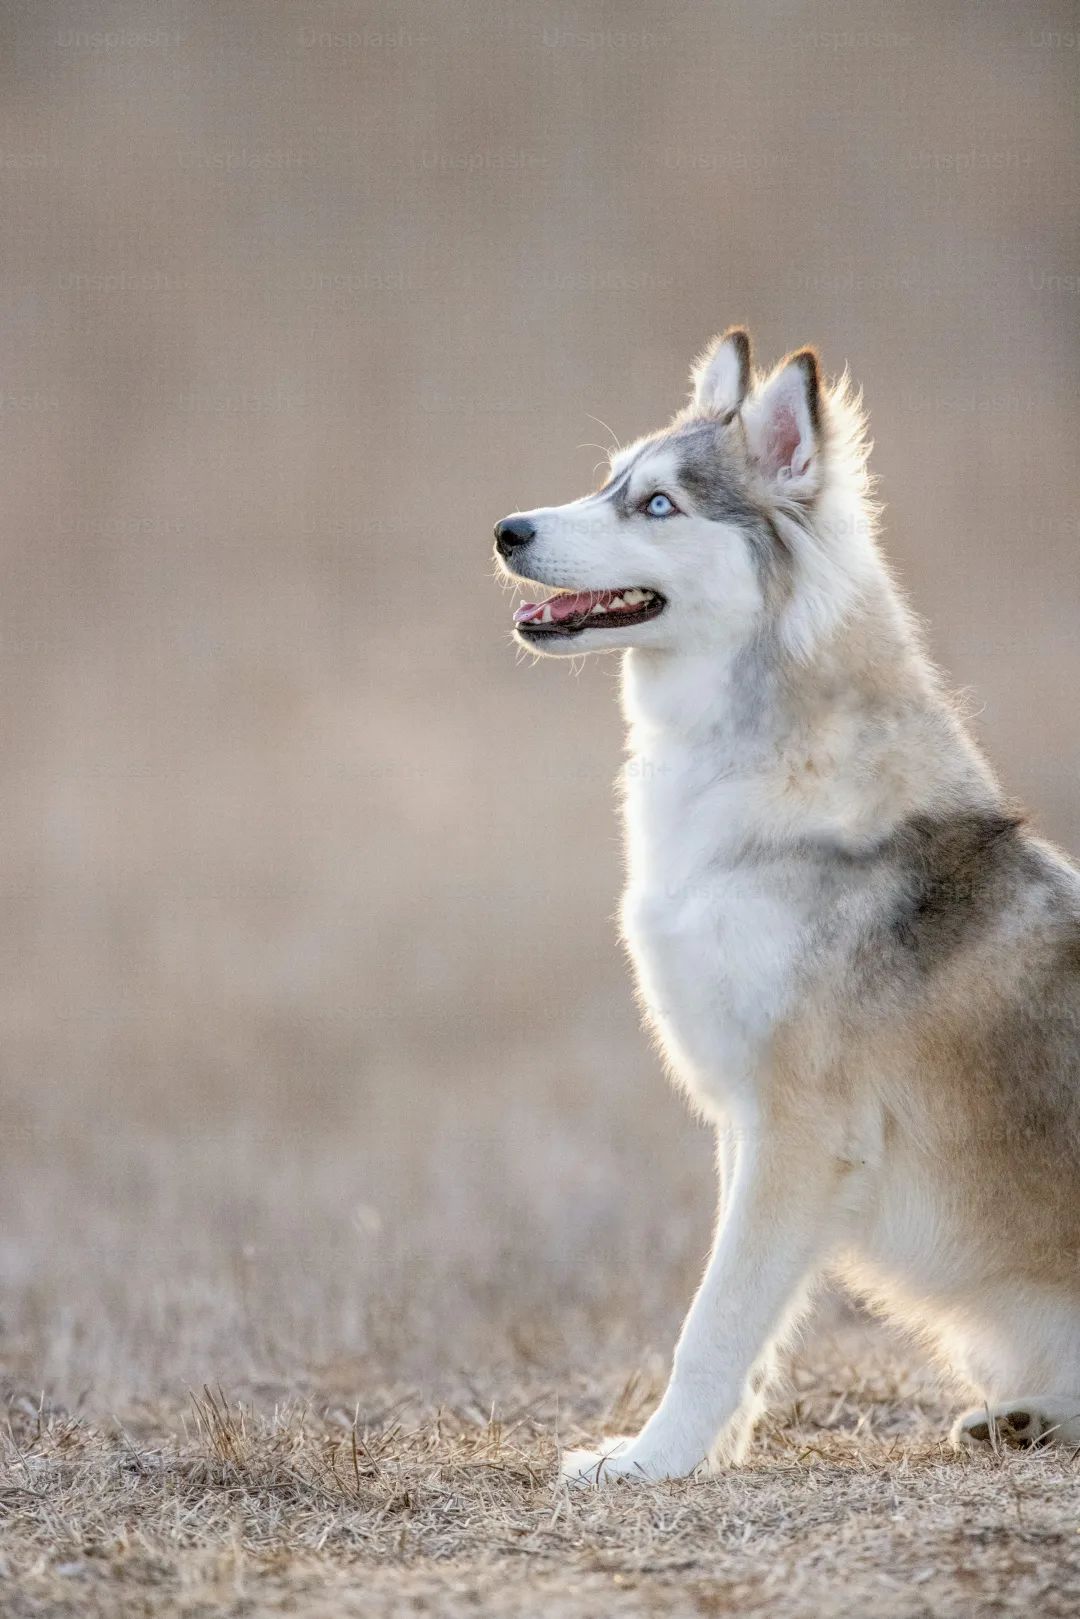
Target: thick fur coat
point(857, 959)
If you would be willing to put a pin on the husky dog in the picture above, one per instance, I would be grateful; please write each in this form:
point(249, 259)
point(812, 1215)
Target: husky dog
point(857, 960)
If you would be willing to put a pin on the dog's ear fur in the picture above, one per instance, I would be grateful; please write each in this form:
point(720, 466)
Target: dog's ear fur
point(721, 375)
point(784, 427)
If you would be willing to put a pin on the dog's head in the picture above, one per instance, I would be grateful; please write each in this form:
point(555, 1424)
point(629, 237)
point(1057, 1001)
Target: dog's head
point(692, 541)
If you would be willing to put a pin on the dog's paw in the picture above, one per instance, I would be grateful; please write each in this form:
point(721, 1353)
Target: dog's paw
point(586, 1469)
point(1015, 1426)
point(617, 1461)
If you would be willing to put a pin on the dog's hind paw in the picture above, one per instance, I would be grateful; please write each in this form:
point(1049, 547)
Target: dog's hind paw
point(1018, 1425)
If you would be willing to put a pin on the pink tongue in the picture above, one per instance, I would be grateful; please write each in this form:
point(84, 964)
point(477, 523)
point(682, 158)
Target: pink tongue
point(563, 607)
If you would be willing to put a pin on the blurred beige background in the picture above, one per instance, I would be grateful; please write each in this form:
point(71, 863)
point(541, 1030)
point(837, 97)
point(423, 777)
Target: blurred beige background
point(317, 1044)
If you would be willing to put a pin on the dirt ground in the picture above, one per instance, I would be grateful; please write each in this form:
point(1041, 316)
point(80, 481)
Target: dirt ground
point(363, 1501)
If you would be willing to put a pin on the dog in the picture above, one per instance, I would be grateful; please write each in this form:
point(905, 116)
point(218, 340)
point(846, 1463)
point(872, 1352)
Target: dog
point(858, 961)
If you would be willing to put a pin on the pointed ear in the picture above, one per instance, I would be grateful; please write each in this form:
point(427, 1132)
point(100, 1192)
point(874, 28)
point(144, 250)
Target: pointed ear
point(721, 375)
point(783, 427)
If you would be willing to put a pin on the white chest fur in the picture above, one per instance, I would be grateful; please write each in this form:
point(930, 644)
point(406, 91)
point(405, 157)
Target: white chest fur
point(714, 936)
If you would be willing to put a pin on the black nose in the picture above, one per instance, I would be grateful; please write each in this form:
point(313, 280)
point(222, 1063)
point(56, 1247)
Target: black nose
point(512, 533)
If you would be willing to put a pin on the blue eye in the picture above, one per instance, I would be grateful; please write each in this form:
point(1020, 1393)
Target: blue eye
point(660, 506)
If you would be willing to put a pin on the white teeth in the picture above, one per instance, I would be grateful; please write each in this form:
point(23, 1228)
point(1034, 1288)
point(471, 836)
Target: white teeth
point(628, 600)
point(545, 616)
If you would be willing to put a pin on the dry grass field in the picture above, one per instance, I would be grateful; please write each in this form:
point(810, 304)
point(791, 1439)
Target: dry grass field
point(331, 1506)
point(337, 1183)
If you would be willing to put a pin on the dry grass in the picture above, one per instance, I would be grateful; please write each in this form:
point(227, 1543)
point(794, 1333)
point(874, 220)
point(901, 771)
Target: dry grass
point(851, 1504)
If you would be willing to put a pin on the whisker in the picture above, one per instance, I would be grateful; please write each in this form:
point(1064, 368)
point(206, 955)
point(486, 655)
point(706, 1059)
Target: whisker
point(607, 429)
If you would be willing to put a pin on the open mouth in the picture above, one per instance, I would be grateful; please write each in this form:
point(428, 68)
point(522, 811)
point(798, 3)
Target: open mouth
point(568, 613)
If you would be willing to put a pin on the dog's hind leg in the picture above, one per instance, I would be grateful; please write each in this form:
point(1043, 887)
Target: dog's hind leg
point(1028, 1339)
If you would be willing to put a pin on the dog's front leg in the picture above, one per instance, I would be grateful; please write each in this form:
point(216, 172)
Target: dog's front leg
point(777, 1221)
